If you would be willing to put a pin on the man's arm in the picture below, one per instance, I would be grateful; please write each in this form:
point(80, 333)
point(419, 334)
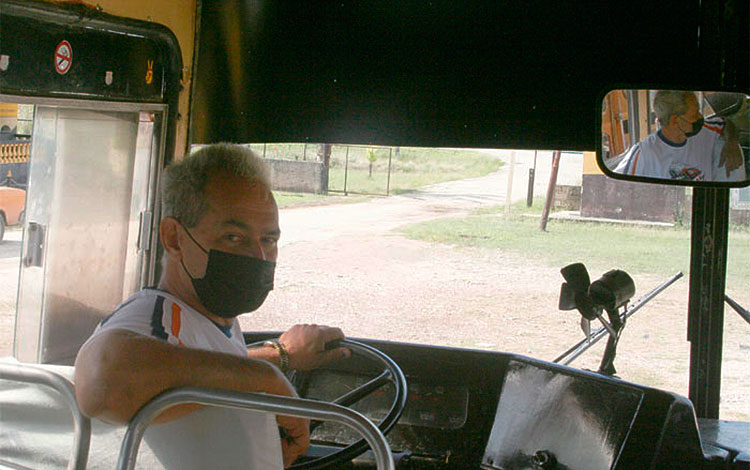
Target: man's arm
point(119, 371)
point(306, 347)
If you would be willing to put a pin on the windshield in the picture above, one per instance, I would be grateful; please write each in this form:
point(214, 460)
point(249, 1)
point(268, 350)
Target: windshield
point(446, 247)
point(444, 260)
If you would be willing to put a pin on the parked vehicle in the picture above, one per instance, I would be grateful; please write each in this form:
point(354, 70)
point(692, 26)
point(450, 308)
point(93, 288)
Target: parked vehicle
point(12, 203)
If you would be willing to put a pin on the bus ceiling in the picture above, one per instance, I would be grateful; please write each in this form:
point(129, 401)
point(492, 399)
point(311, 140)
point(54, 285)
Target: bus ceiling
point(447, 74)
point(490, 74)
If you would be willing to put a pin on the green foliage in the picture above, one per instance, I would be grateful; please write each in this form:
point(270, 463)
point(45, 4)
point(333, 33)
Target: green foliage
point(636, 249)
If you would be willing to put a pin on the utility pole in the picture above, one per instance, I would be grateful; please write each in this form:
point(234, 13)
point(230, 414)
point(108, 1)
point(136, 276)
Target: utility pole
point(550, 189)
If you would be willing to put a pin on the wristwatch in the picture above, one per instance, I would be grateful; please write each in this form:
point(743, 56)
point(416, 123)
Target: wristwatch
point(283, 355)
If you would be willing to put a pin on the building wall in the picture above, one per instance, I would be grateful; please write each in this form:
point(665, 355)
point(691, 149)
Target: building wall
point(615, 199)
point(739, 217)
point(567, 198)
point(298, 176)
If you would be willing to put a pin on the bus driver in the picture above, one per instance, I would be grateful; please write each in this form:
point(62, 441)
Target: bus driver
point(219, 231)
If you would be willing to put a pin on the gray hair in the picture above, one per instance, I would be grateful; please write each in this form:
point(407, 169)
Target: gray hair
point(669, 102)
point(184, 182)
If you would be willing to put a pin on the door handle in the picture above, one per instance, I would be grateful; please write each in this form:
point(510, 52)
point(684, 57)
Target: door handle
point(144, 231)
point(34, 245)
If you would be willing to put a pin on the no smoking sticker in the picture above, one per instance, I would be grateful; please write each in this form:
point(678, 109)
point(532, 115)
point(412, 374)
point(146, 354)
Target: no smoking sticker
point(63, 57)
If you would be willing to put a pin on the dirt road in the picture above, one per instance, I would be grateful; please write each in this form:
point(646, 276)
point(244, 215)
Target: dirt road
point(309, 224)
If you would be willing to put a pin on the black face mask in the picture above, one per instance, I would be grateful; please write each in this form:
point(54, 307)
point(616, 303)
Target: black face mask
point(697, 126)
point(233, 284)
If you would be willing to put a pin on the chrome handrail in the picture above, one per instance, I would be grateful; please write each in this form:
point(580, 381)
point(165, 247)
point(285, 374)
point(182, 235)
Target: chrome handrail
point(81, 424)
point(298, 407)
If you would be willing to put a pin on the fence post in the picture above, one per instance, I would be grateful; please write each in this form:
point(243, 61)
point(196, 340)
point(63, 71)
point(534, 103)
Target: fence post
point(346, 169)
point(509, 189)
point(530, 190)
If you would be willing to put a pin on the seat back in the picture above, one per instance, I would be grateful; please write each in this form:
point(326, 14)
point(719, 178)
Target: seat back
point(253, 401)
point(19, 402)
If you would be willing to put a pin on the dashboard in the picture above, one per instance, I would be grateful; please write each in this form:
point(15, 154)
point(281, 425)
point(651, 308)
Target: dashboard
point(470, 409)
point(432, 408)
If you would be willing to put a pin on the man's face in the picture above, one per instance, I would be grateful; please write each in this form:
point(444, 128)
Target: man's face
point(241, 218)
point(685, 121)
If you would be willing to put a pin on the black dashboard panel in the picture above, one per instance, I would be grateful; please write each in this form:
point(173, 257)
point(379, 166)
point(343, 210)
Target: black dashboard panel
point(515, 407)
point(432, 409)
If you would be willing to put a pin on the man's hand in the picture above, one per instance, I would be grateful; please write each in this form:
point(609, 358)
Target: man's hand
point(731, 154)
point(306, 346)
point(731, 157)
point(295, 438)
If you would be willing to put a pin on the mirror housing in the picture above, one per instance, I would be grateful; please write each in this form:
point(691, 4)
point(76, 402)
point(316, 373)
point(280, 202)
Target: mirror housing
point(679, 137)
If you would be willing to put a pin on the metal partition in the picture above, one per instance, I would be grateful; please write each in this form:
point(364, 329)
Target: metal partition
point(299, 407)
point(88, 230)
point(81, 424)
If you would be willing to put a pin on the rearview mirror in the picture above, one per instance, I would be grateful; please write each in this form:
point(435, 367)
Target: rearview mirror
point(690, 138)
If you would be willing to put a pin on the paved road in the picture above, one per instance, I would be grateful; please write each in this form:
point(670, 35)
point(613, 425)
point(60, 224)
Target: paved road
point(10, 252)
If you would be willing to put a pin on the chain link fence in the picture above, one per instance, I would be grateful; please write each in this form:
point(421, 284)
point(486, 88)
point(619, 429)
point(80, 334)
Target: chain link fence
point(353, 169)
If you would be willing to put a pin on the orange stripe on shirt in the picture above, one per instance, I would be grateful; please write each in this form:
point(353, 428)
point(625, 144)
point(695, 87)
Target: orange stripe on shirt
point(176, 322)
point(718, 130)
point(635, 162)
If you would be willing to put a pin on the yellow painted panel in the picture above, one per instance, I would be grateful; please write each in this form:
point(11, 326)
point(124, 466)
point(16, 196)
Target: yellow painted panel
point(8, 110)
point(179, 17)
point(589, 164)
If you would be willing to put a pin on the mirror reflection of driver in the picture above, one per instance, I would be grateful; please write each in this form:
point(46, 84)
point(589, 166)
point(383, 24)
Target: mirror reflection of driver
point(220, 232)
point(686, 147)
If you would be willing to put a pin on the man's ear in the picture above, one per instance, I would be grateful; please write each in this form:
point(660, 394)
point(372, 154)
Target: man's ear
point(170, 236)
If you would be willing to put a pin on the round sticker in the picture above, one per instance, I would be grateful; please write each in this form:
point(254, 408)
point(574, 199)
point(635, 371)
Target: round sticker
point(63, 57)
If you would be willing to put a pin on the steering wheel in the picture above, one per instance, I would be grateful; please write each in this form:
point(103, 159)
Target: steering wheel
point(391, 373)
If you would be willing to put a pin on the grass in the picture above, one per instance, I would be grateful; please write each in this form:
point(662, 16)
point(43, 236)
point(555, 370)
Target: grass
point(635, 249)
point(286, 200)
point(411, 167)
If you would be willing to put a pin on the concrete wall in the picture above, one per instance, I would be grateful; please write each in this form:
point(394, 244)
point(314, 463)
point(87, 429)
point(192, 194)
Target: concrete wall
point(616, 199)
point(298, 176)
point(567, 197)
point(739, 217)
